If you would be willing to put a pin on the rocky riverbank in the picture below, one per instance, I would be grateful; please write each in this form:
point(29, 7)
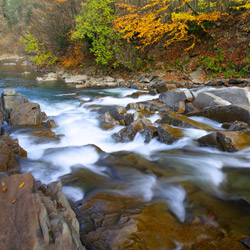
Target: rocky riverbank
point(112, 220)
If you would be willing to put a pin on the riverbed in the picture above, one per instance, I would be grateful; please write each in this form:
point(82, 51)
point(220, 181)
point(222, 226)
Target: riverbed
point(193, 181)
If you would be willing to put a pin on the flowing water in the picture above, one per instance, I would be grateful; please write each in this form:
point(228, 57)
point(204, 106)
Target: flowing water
point(190, 179)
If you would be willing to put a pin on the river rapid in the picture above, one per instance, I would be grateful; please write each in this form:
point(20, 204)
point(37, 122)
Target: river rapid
point(191, 180)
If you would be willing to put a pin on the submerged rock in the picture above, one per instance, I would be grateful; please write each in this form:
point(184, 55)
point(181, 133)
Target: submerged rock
point(36, 219)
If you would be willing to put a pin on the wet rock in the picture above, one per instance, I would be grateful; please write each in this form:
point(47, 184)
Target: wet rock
point(230, 113)
point(238, 126)
point(168, 134)
point(183, 122)
point(229, 141)
point(173, 97)
point(36, 220)
point(219, 141)
point(27, 114)
point(205, 99)
point(126, 134)
point(233, 95)
point(237, 81)
point(83, 85)
point(150, 132)
point(153, 92)
point(50, 124)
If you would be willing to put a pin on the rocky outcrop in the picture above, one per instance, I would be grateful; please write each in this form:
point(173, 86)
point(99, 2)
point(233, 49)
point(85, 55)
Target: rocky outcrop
point(126, 134)
point(117, 222)
point(27, 114)
point(36, 219)
point(205, 99)
point(230, 113)
point(9, 153)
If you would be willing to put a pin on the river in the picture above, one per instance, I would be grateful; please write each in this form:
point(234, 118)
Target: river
point(190, 179)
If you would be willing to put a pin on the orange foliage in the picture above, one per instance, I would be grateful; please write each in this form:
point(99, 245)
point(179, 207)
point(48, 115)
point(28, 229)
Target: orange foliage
point(74, 56)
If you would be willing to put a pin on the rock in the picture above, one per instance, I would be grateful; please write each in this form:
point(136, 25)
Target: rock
point(27, 114)
point(183, 122)
point(238, 126)
point(162, 88)
point(205, 99)
point(109, 79)
point(83, 85)
point(230, 113)
point(246, 242)
point(7, 92)
point(126, 134)
point(36, 220)
point(237, 81)
point(50, 124)
point(139, 124)
point(233, 95)
point(153, 92)
point(229, 141)
point(47, 78)
point(196, 76)
point(150, 132)
point(168, 134)
point(173, 97)
point(9, 151)
point(76, 78)
point(171, 86)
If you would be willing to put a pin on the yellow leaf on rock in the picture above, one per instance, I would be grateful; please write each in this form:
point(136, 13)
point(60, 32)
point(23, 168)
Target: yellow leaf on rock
point(14, 201)
point(21, 185)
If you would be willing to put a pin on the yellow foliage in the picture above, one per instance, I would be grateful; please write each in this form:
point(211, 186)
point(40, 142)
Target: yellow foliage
point(158, 19)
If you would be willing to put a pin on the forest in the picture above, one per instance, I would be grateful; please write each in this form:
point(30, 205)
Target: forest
point(132, 35)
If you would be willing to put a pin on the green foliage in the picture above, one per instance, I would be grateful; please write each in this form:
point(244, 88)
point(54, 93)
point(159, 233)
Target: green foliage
point(42, 57)
point(95, 22)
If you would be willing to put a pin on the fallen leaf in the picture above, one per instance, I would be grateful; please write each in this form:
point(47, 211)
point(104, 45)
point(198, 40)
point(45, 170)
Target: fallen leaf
point(4, 189)
point(14, 201)
point(21, 185)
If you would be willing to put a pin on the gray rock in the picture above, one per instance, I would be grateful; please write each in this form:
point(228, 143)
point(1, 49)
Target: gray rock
point(195, 76)
point(205, 99)
point(230, 113)
point(126, 134)
point(173, 97)
point(233, 95)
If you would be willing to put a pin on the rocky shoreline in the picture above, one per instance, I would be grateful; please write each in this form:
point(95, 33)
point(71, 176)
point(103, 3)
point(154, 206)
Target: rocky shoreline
point(42, 216)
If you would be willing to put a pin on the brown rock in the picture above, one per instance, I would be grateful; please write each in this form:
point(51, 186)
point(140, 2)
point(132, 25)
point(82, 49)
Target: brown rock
point(27, 114)
point(35, 221)
point(168, 134)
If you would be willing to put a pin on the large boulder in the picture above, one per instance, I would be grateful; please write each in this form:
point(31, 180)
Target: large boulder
point(11, 99)
point(36, 219)
point(173, 97)
point(26, 114)
point(233, 95)
point(205, 99)
point(230, 113)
